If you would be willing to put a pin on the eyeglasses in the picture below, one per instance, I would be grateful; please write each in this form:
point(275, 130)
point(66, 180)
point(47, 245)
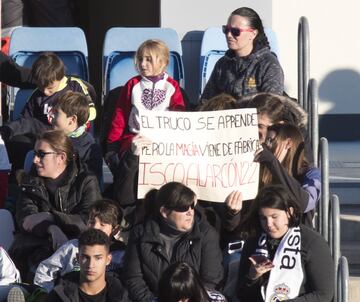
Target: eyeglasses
point(183, 208)
point(41, 154)
point(235, 31)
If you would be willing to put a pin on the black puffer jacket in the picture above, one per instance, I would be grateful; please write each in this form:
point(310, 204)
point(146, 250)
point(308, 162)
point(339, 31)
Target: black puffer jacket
point(240, 76)
point(71, 204)
point(68, 290)
point(146, 258)
point(89, 152)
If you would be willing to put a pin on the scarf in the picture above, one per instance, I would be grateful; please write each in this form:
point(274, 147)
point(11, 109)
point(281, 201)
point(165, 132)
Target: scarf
point(77, 132)
point(287, 275)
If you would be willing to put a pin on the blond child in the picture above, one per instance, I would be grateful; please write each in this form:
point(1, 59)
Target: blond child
point(152, 89)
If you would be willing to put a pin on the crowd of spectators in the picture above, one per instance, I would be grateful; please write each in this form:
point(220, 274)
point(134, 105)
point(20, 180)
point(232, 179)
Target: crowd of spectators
point(73, 244)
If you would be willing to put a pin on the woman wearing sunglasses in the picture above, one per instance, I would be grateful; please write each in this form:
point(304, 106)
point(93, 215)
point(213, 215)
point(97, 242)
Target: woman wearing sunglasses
point(174, 232)
point(54, 200)
point(283, 259)
point(248, 66)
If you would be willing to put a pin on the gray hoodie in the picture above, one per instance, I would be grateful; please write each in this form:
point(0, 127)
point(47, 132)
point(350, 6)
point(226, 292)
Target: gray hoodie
point(240, 76)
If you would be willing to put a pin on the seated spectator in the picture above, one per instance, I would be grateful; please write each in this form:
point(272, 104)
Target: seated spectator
point(70, 114)
point(104, 215)
point(282, 259)
point(54, 201)
point(285, 162)
point(9, 275)
point(282, 161)
point(180, 282)
point(276, 109)
point(248, 66)
point(48, 72)
point(153, 89)
point(91, 283)
point(5, 168)
point(175, 232)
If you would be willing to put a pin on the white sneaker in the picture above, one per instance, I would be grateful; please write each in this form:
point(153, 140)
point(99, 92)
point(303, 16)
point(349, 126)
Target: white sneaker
point(16, 295)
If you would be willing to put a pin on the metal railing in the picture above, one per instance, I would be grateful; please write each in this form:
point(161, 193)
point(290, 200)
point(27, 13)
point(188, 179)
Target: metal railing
point(322, 223)
point(303, 61)
point(343, 280)
point(334, 235)
point(313, 118)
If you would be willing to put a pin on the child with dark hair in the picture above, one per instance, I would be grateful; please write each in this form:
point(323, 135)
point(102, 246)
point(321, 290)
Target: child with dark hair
point(91, 283)
point(180, 282)
point(70, 114)
point(105, 216)
point(48, 72)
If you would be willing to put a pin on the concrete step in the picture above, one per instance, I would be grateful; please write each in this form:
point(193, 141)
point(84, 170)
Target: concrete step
point(354, 288)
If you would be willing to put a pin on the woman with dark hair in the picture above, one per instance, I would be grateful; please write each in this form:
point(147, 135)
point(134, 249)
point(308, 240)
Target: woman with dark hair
point(181, 283)
point(248, 66)
point(282, 259)
point(283, 161)
point(175, 232)
point(54, 201)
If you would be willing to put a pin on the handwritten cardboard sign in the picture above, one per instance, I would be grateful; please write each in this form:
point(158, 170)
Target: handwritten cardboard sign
point(210, 152)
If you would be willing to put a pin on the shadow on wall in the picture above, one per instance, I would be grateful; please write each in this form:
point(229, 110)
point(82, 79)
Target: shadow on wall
point(341, 91)
point(191, 45)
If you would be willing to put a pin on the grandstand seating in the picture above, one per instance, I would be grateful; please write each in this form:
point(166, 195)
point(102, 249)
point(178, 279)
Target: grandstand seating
point(120, 45)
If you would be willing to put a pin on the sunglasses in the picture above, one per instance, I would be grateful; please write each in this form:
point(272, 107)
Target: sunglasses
point(184, 208)
point(235, 31)
point(41, 154)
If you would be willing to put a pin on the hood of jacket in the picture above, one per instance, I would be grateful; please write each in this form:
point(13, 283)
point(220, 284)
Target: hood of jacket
point(68, 288)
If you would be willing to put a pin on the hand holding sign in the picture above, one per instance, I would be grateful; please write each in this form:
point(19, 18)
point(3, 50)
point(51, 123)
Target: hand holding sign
point(234, 202)
point(138, 143)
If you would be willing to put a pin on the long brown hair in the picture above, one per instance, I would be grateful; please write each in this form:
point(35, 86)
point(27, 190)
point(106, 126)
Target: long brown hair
point(294, 162)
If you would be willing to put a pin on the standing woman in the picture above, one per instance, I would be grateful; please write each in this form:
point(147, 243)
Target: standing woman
point(248, 66)
point(282, 259)
point(54, 202)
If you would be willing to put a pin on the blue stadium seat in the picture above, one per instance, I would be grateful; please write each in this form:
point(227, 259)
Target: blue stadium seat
point(69, 43)
point(28, 162)
point(7, 229)
point(214, 46)
point(119, 48)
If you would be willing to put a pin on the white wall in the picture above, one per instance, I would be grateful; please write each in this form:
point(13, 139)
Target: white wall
point(334, 40)
point(187, 15)
point(334, 49)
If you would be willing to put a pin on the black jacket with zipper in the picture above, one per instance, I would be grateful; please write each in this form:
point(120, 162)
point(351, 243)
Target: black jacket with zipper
point(71, 203)
point(68, 289)
point(146, 258)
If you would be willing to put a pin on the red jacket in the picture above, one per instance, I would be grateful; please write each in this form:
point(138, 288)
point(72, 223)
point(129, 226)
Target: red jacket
point(141, 93)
